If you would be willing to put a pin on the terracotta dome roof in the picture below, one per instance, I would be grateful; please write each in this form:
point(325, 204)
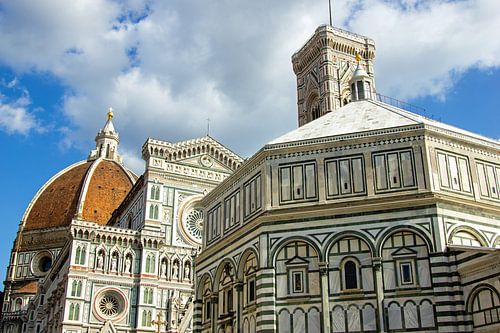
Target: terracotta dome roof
point(90, 190)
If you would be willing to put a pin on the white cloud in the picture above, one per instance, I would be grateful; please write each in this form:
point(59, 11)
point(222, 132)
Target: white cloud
point(15, 114)
point(134, 161)
point(168, 66)
point(16, 119)
point(424, 46)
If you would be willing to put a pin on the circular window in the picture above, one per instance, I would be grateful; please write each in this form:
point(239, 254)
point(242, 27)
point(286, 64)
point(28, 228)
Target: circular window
point(44, 264)
point(191, 220)
point(41, 263)
point(206, 161)
point(110, 304)
point(194, 223)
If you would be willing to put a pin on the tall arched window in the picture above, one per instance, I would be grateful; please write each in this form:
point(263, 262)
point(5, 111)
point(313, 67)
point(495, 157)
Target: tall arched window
point(315, 110)
point(350, 275)
point(153, 212)
point(145, 318)
point(155, 192)
point(149, 317)
point(80, 255)
point(150, 263)
point(148, 296)
point(76, 288)
point(74, 311)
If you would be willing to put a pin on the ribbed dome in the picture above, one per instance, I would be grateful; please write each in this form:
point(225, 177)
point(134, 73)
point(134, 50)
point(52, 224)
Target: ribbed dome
point(89, 190)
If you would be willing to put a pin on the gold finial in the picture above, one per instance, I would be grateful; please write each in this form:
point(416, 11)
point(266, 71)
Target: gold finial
point(358, 57)
point(110, 113)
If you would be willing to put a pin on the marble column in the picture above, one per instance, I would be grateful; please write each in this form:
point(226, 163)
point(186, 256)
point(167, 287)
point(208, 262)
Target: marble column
point(214, 303)
point(238, 286)
point(325, 301)
point(379, 280)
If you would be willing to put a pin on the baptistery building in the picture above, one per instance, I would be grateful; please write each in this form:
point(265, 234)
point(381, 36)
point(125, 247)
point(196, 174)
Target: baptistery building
point(366, 218)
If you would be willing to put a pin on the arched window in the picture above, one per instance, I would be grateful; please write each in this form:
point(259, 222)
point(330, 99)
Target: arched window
point(74, 311)
point(153, 212)
point(155, 192)
point(465, 238)
point(148, 296)
point(485, 308)
point(149, 319)
point(315, 110)
point(350, 275)
point(145, 318)
point(18, 304)
point(150, 263)
point(76, 288)
point(156, 212)
point(80, 255)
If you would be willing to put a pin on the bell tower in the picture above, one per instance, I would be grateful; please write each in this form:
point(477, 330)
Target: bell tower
point(324, 67)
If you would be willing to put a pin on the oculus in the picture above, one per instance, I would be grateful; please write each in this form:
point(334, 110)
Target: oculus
point(193, 224)
point(41, 263)
point(110, 304)
point(191, 221)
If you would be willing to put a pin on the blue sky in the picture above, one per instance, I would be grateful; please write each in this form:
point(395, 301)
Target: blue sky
point(167, 66)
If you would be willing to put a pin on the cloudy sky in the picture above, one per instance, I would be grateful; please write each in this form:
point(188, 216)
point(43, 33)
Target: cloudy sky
point(167, 66)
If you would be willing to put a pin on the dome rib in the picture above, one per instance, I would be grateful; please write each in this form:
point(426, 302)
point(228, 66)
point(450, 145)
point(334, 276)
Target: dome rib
point(55, 204)
point(107, 186)
point(91, 190)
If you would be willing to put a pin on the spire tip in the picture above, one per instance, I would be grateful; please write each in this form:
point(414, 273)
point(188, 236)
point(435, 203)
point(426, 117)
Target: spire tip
point(110, 113)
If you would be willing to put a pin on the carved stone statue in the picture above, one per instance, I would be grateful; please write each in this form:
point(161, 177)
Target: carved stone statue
point(163, 269)
point(128, 264)
point(114, 262)
point(187, 272)
point(175, 270)
point(100, 260)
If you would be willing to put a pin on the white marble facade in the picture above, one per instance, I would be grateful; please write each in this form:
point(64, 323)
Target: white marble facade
point(120, 276)
point(368, 219)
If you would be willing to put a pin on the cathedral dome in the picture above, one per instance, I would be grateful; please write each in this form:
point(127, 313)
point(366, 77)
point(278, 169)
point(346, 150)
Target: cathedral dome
point(90, 190)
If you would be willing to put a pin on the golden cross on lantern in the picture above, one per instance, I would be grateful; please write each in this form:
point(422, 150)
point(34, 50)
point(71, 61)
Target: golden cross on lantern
point(110, 113)
point(158, 322)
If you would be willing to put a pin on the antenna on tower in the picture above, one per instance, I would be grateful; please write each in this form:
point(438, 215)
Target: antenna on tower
point(208, 126)
point(330, 11)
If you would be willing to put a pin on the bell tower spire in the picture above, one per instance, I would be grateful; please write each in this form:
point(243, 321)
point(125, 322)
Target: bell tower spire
point(107, 141)
point(324, 67)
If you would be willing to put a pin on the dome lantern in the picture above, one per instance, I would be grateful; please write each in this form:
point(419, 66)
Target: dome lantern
point(361, 83)
point(107, 141)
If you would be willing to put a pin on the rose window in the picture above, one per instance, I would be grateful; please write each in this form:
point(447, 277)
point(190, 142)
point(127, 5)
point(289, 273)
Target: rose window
point(109, 306)
point(194, 224)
